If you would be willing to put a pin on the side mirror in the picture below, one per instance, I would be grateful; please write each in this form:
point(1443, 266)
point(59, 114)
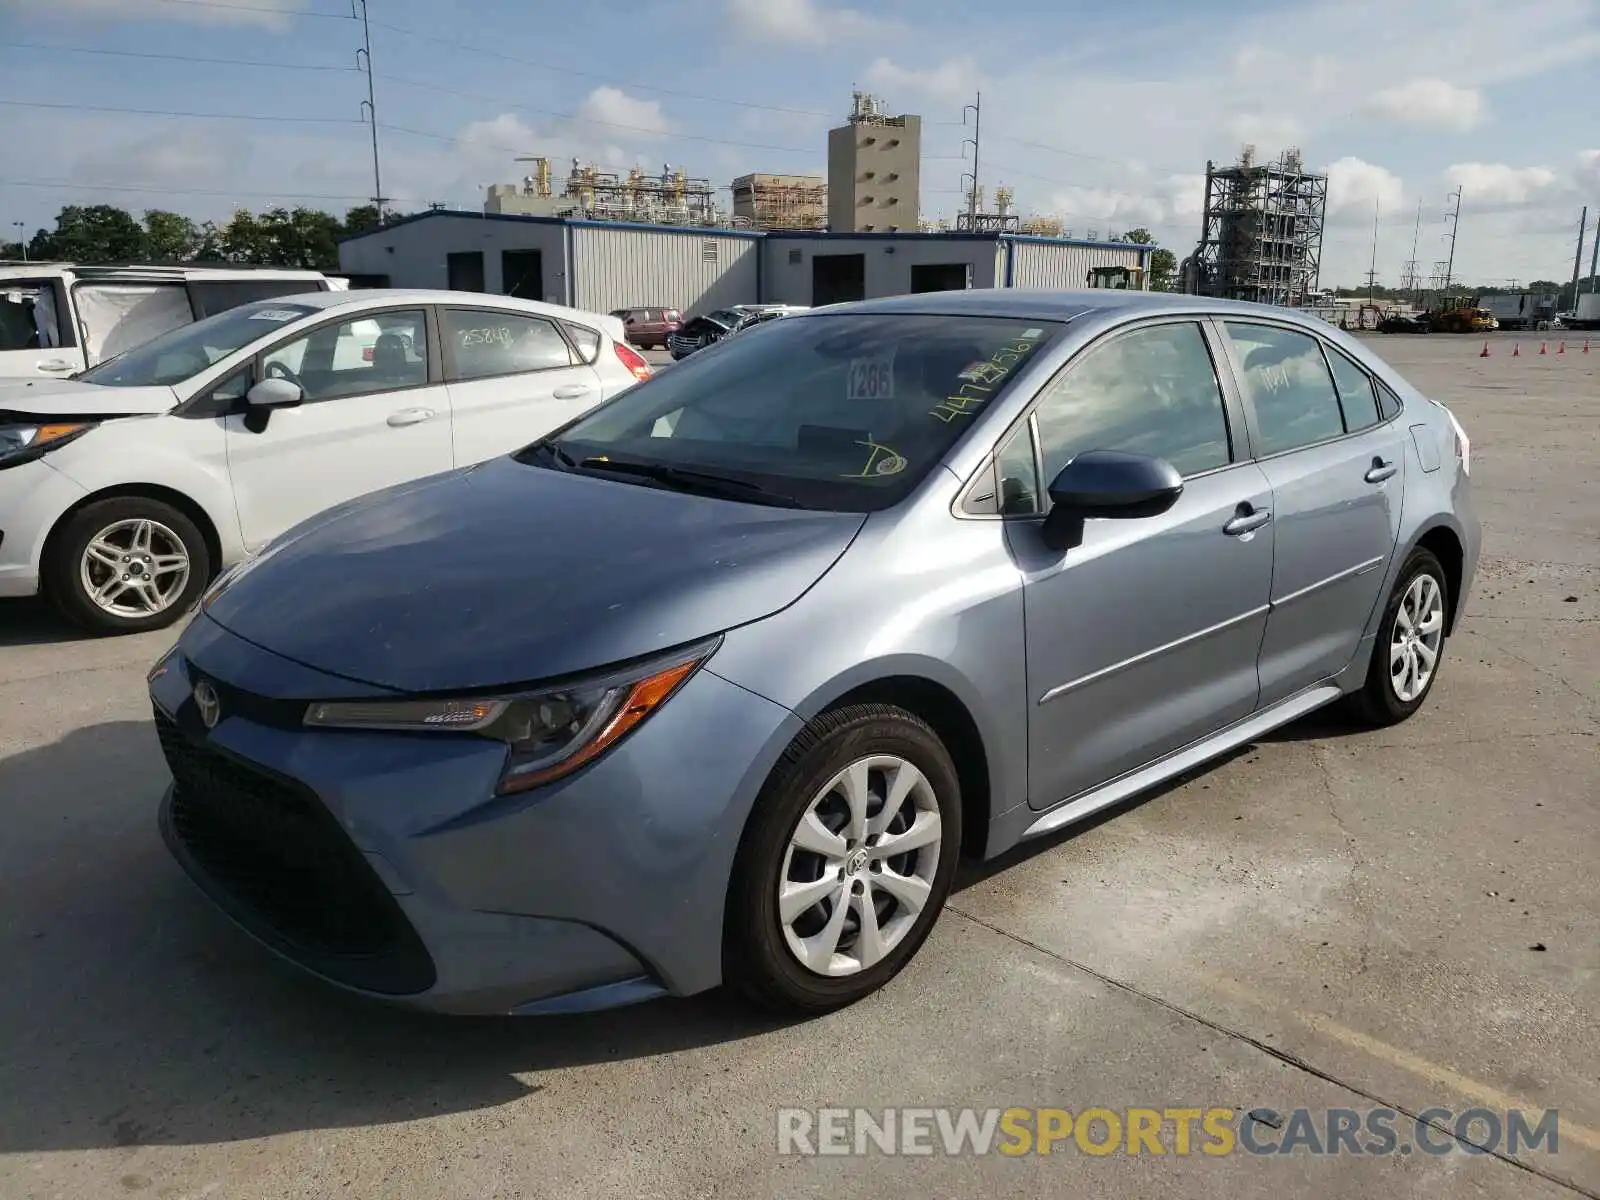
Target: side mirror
point(1107, 483)
point(274, 393)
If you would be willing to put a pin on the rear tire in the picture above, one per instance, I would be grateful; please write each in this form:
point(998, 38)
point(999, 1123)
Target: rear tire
point(1400, 674)
point(127, 564)
point(803, 955)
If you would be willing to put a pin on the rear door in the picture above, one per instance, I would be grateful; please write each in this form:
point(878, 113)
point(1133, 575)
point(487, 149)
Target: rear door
point(375, 413)
point(38, 339)
point(1336, 467)
point(513, 377)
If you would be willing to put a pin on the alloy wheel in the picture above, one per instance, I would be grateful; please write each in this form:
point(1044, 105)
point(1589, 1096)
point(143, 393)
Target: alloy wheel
point(860, 866)
point(1416, 637)
point(134, 568)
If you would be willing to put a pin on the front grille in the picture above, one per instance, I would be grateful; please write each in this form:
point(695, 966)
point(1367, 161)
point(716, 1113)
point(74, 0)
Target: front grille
point(286, 869)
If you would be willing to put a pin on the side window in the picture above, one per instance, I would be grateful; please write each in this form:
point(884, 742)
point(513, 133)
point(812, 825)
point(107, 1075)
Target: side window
point(1288, 382)
point(212, 296)
point(486, 344)
point(1388, 403)
point(233, 387)
point(378, 353)
point(120, 316)
point(585, 339)
point(1017, 475)
point(1152, 391)
point(28, 317)
point(1356, 397)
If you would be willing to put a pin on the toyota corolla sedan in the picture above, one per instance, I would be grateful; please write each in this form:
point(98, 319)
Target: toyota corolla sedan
point(718, 682)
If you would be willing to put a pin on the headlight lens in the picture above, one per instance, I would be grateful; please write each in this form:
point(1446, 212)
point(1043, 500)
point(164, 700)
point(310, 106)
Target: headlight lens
point(550, 733)
point(29, 441)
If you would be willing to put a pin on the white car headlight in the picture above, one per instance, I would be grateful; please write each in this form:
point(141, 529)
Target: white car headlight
point(551, 732)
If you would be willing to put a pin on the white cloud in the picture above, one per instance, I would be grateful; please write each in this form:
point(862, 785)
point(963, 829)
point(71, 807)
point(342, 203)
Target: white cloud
point(1354, 185)
point(953, 81)
point(1499, 183)
point(1589, 169)
point(268, 14)
point(614, 107)
point(799, 22)
point(1431, 104)
point(1270, 133)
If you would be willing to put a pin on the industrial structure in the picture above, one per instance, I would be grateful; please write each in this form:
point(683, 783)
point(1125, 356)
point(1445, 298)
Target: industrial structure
point(874, 170)
point(606, 265)
point(1261, 231)
point(780, 202)
point(671, 198)
point(1003, 217)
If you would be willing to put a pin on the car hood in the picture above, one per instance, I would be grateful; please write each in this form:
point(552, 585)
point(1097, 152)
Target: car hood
point(67, 398)
point(505, 573)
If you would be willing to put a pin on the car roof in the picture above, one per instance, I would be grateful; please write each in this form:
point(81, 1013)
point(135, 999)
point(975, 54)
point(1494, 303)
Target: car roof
point(147, 272)
point(373, 297)
point(1056, 306)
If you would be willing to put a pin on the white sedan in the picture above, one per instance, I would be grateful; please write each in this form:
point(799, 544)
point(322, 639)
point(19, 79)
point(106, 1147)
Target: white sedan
point(125, 489)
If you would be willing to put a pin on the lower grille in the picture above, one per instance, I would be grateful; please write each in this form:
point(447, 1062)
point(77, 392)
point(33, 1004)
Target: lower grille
point(287, 870)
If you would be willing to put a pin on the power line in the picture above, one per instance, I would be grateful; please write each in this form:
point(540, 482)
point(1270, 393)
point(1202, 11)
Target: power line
point(260, 8)
point(186, 58)
point(162, 112)
point(69, 185)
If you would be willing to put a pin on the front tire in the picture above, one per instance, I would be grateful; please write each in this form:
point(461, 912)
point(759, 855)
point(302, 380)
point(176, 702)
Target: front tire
point(845, 863)
point(1410, 643)
point(128, 564)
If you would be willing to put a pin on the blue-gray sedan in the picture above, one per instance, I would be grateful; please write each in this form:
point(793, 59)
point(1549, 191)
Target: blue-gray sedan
point(720, 681)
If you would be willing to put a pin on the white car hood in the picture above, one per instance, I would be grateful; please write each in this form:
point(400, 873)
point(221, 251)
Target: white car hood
point(67, 398)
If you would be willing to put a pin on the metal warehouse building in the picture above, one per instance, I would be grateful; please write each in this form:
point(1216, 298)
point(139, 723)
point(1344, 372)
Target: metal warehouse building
point(605, 265)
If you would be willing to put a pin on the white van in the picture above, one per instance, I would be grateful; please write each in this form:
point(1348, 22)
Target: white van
point(57, 319)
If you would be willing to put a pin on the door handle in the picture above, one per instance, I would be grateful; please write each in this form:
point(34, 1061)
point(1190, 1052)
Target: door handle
point(410, 416)
point(1380, 471)
point(1247, 519)
point(55, 365)
point(572, 391)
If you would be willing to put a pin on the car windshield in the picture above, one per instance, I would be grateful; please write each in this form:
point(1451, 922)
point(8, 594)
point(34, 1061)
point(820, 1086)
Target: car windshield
point(190, 349)
point(843, 412)
point(726, 317)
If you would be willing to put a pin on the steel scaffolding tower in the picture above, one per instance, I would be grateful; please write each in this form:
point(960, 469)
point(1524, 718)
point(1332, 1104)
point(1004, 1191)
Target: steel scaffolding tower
point(1261, 232)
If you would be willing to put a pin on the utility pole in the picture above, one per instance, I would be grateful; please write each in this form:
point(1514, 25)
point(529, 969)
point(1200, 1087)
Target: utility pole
point(1413, 278)
point(1372, 271)
point(369, 106)
point(976, 109)
point(1455, 224)
point(1577, 259)
point(1594, 262)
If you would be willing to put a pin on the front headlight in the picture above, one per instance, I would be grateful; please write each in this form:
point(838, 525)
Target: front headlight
point(23, 443)
point(550, 732)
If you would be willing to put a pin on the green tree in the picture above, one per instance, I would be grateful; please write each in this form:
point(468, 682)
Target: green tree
point(363, 218)
point(1163, 263)
point(10, 250)
point(170, 237)
point(95, 233)
point(1141, 236)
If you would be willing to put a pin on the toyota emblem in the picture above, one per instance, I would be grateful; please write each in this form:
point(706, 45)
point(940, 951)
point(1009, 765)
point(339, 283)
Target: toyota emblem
point(209, 703)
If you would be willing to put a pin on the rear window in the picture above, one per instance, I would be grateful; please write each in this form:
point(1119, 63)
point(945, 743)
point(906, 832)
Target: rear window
point(839, 412)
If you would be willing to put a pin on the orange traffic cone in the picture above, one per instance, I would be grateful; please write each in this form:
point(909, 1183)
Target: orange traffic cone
point(1516, 350)
point(1484, 353)
point(1542, 349)
point(1561, 349)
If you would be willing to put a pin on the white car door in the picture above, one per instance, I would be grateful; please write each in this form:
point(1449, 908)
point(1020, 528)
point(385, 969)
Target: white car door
point(37, 336)
point(375, 413)
point(513, 378)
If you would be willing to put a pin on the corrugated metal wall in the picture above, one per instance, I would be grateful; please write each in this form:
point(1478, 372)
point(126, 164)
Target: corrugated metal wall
point(888, 263)
point(1064, 267)
point(695, 272)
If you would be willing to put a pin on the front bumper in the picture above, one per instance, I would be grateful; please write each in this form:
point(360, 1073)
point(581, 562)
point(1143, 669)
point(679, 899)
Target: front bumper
point(33, 495)
point(384, 863)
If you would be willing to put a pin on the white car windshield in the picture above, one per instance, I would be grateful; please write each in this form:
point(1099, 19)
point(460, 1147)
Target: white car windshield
point(185, 352)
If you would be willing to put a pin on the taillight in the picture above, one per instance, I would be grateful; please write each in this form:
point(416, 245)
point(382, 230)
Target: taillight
point(633, 360)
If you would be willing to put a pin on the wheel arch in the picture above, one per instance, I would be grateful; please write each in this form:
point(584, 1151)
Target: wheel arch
point(938, 702)
point(1445, 543)
point(184, 503)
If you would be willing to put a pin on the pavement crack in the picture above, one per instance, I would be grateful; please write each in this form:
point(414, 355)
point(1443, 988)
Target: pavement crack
point(1320, 756)
point(1287, 1058)
point(1590, 703)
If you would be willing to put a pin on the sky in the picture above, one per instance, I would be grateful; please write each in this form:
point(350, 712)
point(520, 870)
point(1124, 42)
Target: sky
point(1102, 114)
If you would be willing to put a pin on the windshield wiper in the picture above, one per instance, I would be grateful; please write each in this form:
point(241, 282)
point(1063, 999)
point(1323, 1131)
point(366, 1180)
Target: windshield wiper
point(685, 479)
point(549, 446)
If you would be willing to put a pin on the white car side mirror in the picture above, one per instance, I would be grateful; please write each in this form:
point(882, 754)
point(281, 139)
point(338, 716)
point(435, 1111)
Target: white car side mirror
point(274, 393)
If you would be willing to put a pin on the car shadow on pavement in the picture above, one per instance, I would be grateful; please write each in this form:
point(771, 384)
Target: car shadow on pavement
point(34, 623)
point(134, 1014)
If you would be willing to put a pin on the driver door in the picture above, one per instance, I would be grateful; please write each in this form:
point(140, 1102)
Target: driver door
point(375, 413)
